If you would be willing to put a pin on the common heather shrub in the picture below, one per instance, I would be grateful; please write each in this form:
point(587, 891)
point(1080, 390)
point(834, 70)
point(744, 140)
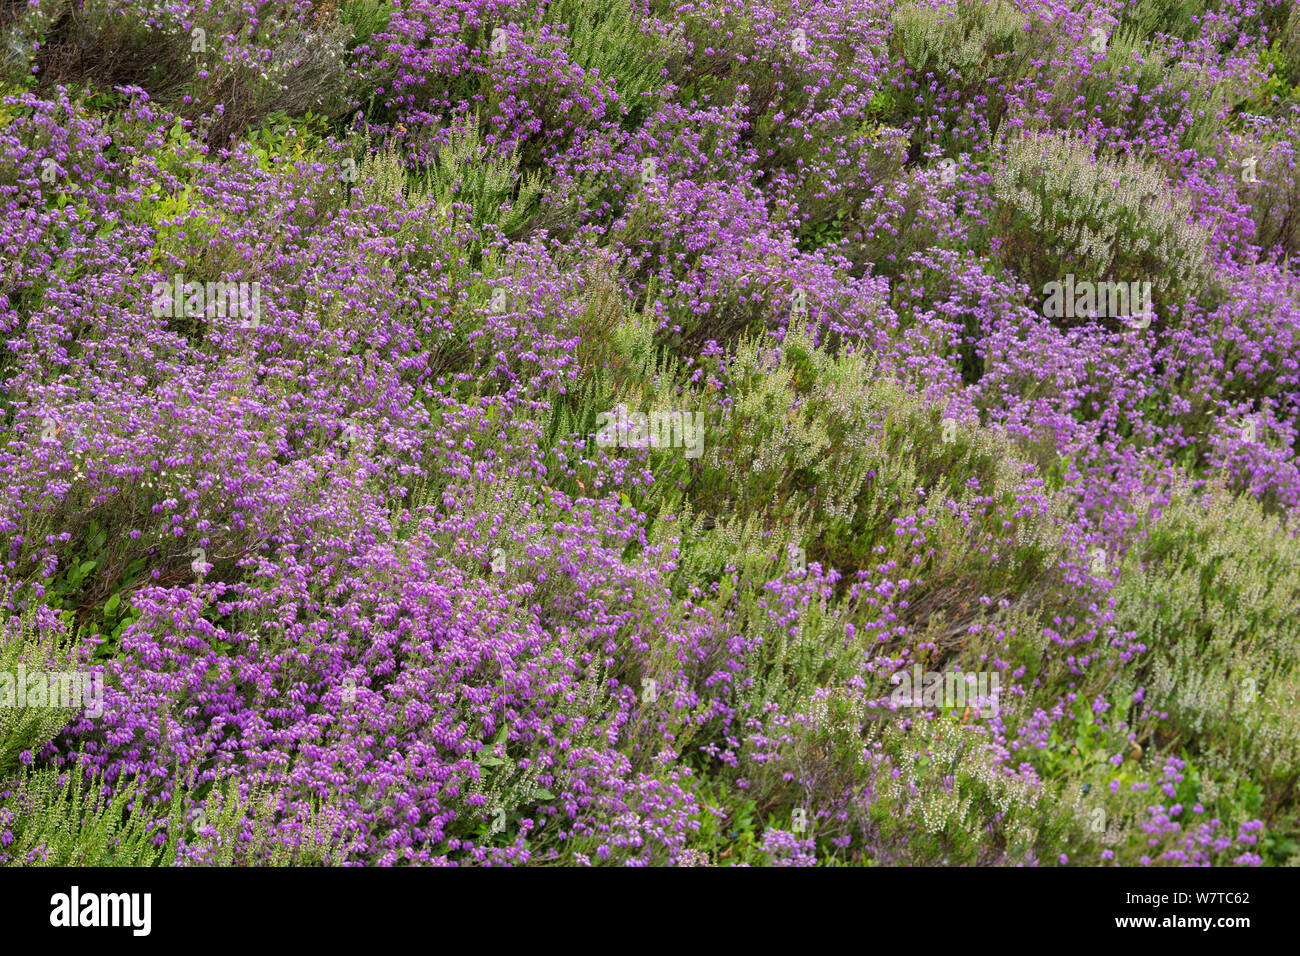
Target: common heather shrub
point(463, 172)
point(1226, 20)
point(72, 819)
point(380, 577)
point(1274, 196)
point(367, 19)
point(1063, 209)
point(238, 826)
point(1142, 84)
point(1213, 592)
point(615, 42)
point(1175, 18)
point(974, 48)
point(963, 39)
point(38, 648)
point(825, 444)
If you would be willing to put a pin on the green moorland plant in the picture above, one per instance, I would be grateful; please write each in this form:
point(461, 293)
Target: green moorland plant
point(69, 819)
point(1140, 82)
point(836, 523)
point(1065, 209)
point(1270, 184)
point(975, 49)
point(463, 171)
point(47, 818)
point(1181, 19)
point(1210, 596)
point(1213, 592)
point(235, 827)
point(609, 40)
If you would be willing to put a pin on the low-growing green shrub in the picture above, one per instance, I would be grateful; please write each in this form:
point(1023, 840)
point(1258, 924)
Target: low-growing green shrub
point(76, 822)
point(1062, 209)
point(1213, 592)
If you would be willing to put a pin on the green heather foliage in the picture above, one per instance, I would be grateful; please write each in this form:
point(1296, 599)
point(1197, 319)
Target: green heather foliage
point(235, 829)
point(365, 581)
point(74, 821)
point(962, 47)
point(1103, 218)
point(608, 39)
